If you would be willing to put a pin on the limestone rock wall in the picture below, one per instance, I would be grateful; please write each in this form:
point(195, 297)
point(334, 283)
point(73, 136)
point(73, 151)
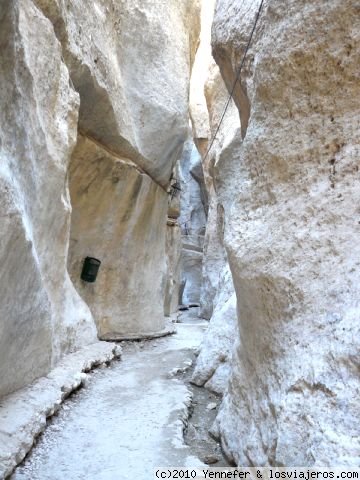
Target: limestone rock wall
point(217, 296)
point(173, 269)
point(131, 64)
point(119, 217)
point(118, 73)
point(42, 316)
point(130, 61)
point(218, 299)
point(192, 221)
point(291, 228)
point(173, 284)
point(213, 365)
point(215, 258)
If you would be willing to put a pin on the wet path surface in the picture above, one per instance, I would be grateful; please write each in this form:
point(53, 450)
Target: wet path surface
point(126, 421)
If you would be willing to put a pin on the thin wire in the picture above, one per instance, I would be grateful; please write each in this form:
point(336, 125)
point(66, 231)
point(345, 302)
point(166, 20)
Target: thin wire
point(236, 80)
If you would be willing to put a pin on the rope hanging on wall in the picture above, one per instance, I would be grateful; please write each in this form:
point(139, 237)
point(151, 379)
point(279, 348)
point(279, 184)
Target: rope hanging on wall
point(236, 79)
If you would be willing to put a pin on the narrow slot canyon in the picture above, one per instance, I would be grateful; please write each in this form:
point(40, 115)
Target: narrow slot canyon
point(180, 194)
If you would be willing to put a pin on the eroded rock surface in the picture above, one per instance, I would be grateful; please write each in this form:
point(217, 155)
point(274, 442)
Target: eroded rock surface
point(192, 220)
point(118, 73)
point(217, 298)
point(173, 269)
point(134, 108)
point(130, 61)
point(291, 232)
point(213, 366)
point(42, 316)
point(119, 217)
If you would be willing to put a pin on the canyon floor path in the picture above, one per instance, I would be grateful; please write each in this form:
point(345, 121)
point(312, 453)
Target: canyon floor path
point(127, 421)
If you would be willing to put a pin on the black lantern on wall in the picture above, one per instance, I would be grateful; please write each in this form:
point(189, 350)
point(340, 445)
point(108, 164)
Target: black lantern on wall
point(90, 269)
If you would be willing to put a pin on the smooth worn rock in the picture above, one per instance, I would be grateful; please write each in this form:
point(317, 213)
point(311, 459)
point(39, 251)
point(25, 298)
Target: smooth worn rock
point(131, 61)
point(217, 297)
point(193, 202)
point(213, 363)
point(119, 217)
point(173, 276)
point(291, 232)
point(118, 72)
point(208, 94)
point(133, 108)
point(42, 315)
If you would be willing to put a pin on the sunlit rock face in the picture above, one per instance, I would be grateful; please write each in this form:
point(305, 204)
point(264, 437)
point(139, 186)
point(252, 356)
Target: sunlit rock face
point(217, 296)
point(291, 232)
point(42, 315)
point(130, 62)
point(215, 259)
point(213, 365)
point(118, 73)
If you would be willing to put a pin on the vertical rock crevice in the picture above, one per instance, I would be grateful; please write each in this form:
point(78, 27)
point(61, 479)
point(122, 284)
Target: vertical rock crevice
point(217, 297)
point(192, 222)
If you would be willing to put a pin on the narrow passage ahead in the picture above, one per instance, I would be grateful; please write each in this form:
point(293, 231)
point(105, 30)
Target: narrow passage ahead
point(126, 422)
